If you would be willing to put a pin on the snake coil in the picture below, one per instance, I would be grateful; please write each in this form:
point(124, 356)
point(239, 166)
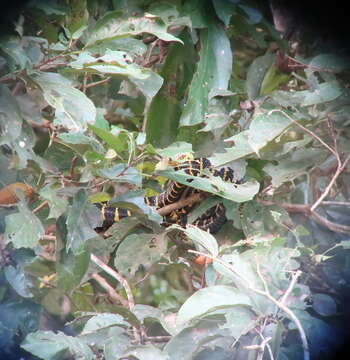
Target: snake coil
point(211, 220)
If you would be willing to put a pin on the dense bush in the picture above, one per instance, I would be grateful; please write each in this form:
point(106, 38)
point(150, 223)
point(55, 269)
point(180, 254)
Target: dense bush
point(95, 97)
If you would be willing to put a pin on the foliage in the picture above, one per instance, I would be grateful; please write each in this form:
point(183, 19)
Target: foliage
point(92, 95)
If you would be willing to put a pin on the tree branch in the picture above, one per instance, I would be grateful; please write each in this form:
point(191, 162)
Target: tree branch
point(197, 197)
point(306, 209)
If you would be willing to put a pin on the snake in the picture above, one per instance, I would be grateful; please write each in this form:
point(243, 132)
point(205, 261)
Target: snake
point(211, 220)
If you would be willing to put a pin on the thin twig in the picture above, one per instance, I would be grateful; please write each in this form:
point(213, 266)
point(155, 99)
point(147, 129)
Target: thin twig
point(117, 276)
point(164, 338)
point(110, 290)
point(328, 188)
point(16, 88)
point(305, 129)
point(83, 86)
point(260, 348)
point(334, 151)
point(291, 286)
point(42, 205)
point(267, 294)
point(290, 313)
point(125, 284)
point(339, 203)
point(49, 237)
point(265, 343)
point(87, 86)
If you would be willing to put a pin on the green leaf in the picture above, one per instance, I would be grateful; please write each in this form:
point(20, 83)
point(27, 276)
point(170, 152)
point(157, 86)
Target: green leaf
point(50, 346)
point(80, 138)
point(111, 63)
point(10, 116)
point(264, 128)
point(29, 105)
point(71, 268)
point(345, 244)
point(23, 229)
point(273, 78)
point(202, 207)
point(198, 13)
point(102, 321)
point(240, 149)
point(162, 120)
point(78, 17)
point(254, 16)
point(135, 201)
point(256, 74)
point(146, 352)
point(210, 299)
point(131, 46)
point(324, 304)
point(115, 349)
point(50, 8)
point(73, 109)
point(113, 26)
point(202, 238)
point(240, 320)
point(82, 218)
point(57, 203)
point(176, 148)
point(17, 278)
point(275, 262)
point(330, 62)
point(122, 173)
point(116, 142)
point(169, 14)
point(327, 91)
point(146, 249)
point(150, 85)
point(143, 312)
point(119, 230)
point(24, 147)
point(292, 167)
point(213, 71)
point(243, 269)
point(215, 185)
point(13, 51)
point(186, 344)
point(224, 10)
point(177, 72)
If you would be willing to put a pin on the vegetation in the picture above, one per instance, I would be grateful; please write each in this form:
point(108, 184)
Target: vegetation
point(95, 97)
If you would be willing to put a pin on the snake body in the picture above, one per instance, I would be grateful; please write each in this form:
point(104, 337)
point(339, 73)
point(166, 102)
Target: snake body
point(211, 220)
